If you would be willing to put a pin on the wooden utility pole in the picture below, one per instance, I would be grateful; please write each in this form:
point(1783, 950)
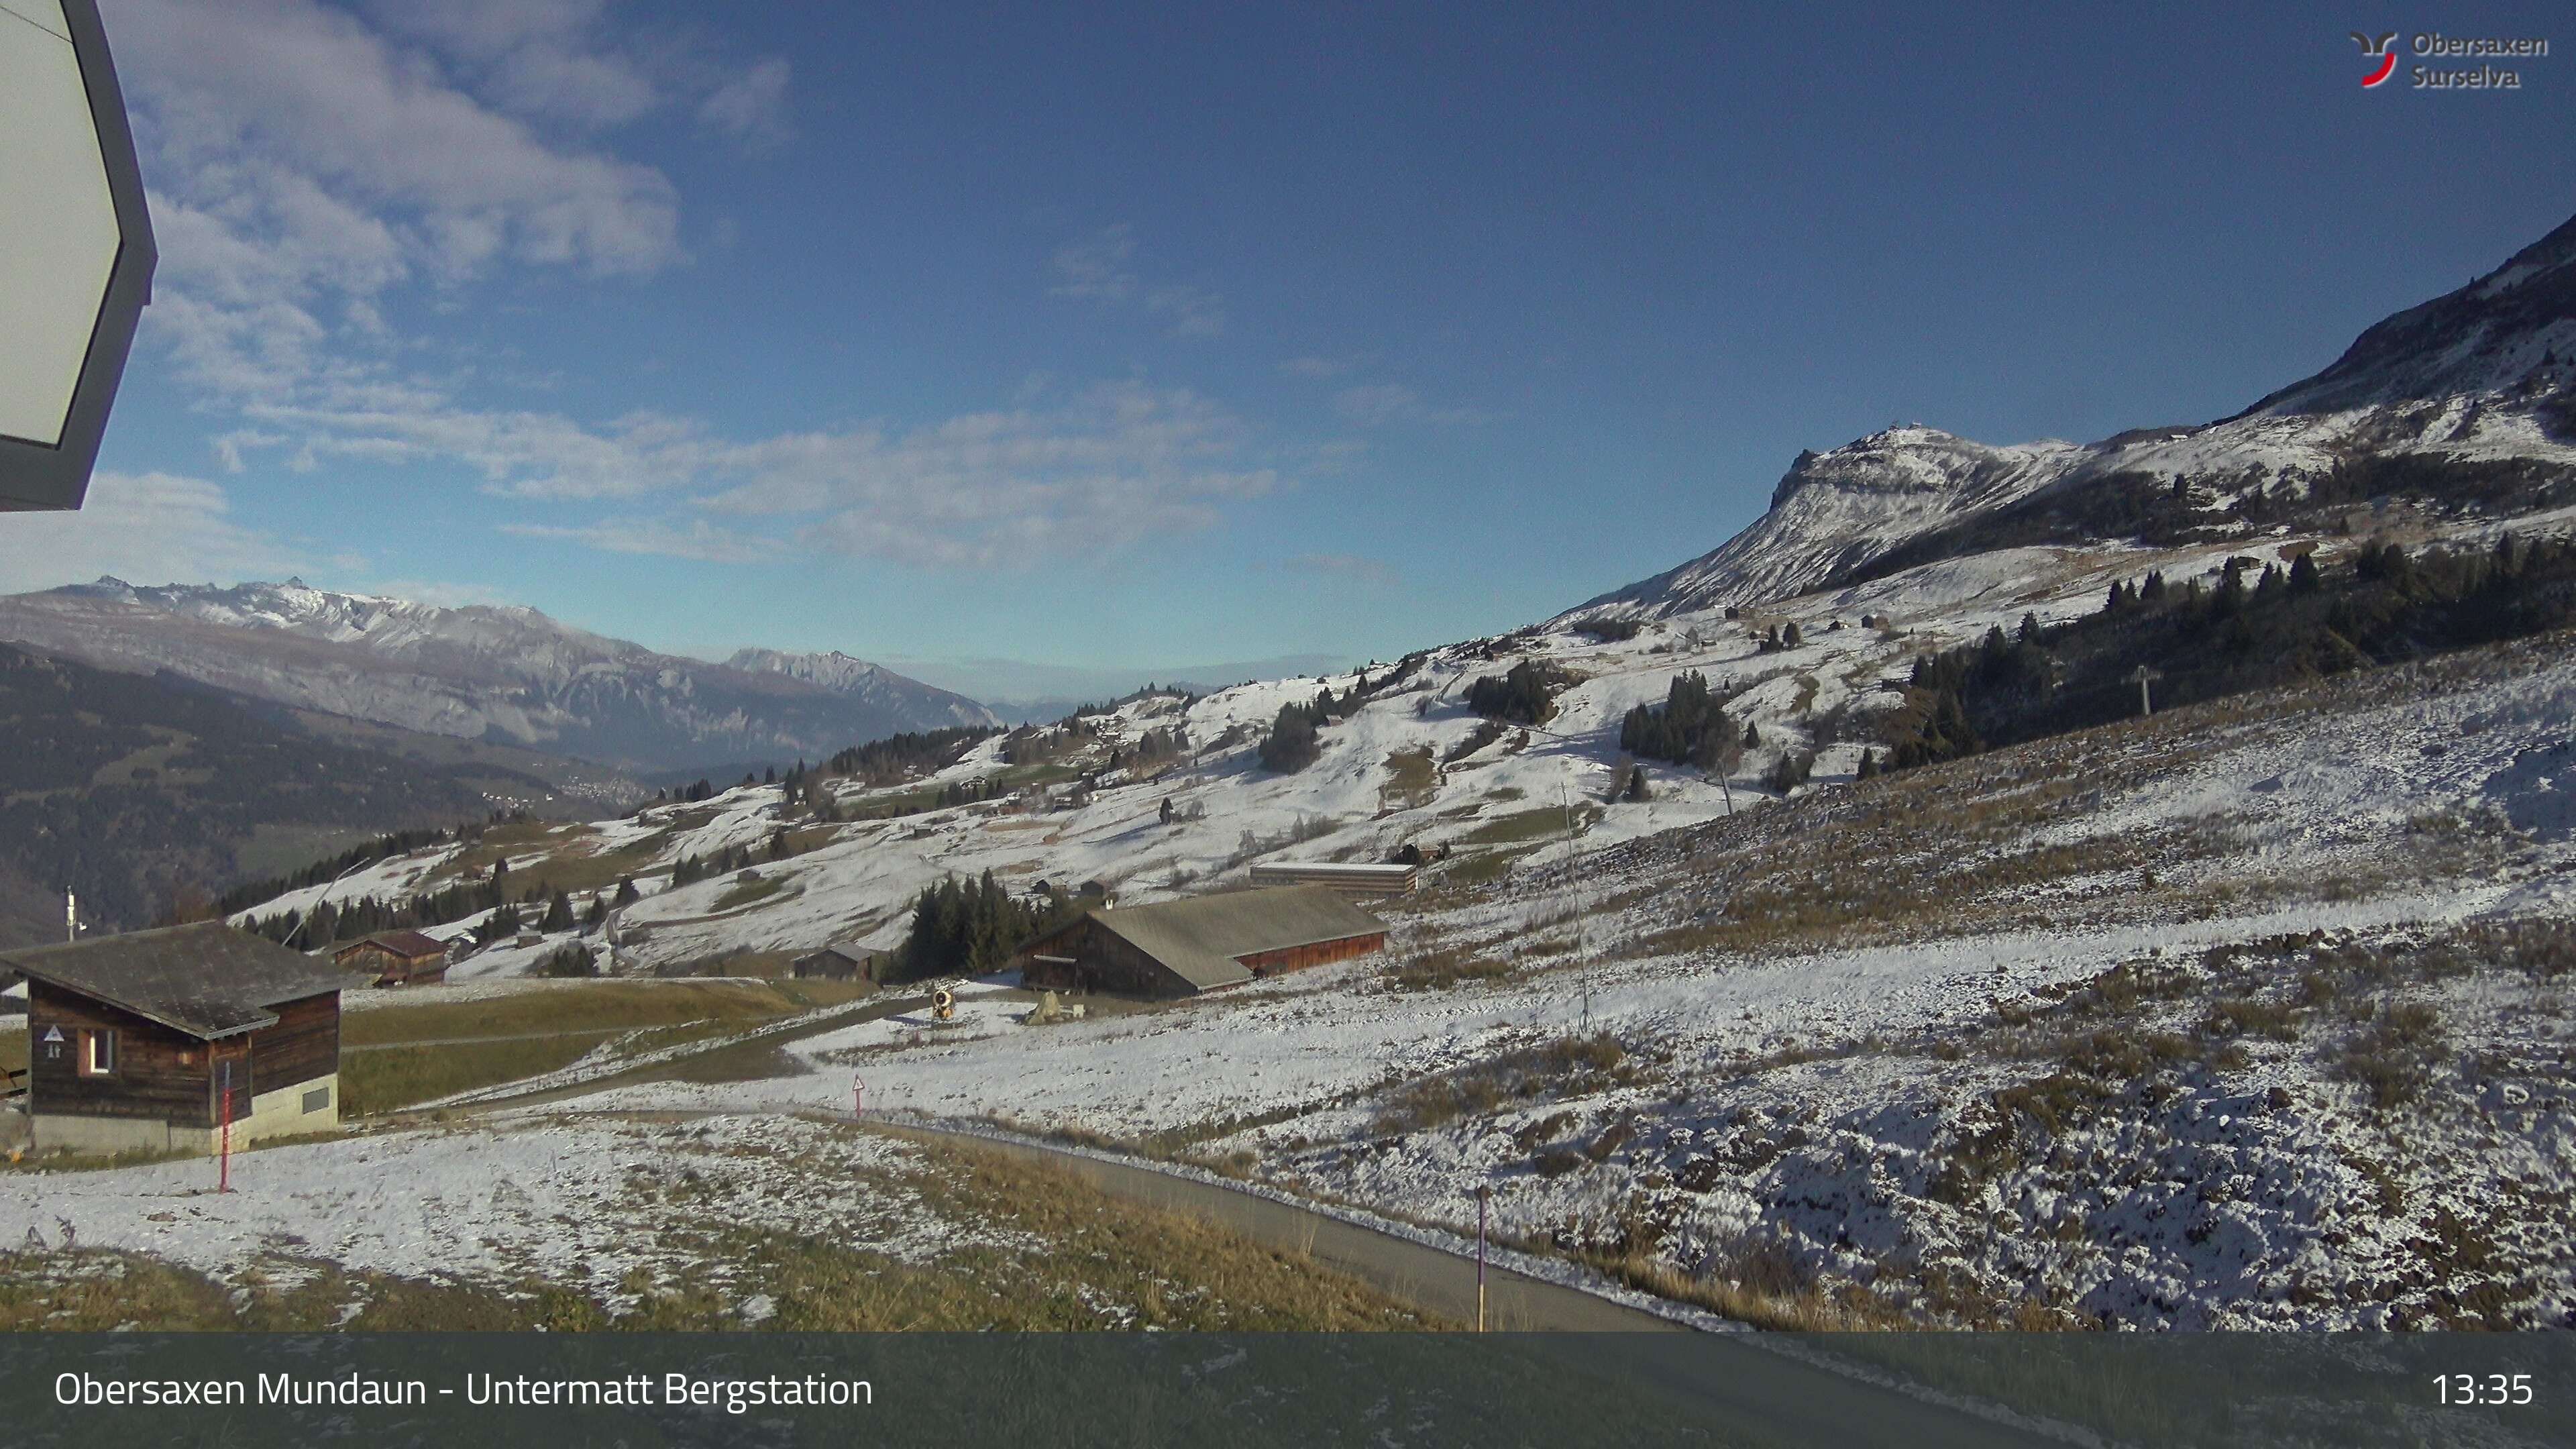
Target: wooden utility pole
point(2142, 678)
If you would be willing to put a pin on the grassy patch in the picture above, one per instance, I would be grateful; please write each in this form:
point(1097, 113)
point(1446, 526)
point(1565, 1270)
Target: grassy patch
point(554, 1027)
point(1411, 779)
point(1100, 1258)
point(379, 1081)
point(592, 1006)
point(1441, 969)
point(1567, 1067)
point(1547, 822)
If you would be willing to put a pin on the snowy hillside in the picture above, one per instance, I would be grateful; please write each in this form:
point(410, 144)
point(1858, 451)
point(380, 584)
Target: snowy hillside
point(2480, 375)
point(2213, 1014)
point(479, 672)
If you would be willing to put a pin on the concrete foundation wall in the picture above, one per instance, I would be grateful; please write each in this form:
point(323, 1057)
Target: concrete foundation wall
point(280, 1113)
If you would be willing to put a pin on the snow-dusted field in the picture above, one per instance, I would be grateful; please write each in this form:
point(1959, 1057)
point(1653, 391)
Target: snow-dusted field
point(574, 1200)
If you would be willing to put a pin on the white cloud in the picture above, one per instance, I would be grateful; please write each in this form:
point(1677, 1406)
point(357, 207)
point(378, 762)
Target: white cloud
point(997, 489)
point(1393, 402)
point(313, 170)
point(144, 528)
point(1095, 269)
point(696, 539)
point(752, 107)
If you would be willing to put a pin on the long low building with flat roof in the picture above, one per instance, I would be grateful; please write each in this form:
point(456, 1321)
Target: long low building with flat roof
point(1182, 948)
point(1351, 879)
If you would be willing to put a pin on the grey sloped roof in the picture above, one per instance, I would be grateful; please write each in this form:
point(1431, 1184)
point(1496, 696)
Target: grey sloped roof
point(1200, 938)
point(401, 943)
point(207, 980)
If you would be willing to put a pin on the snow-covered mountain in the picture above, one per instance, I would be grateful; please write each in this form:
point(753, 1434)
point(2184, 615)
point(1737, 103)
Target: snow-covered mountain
point(2478, 376)
point(481, 672)
point(859, 680)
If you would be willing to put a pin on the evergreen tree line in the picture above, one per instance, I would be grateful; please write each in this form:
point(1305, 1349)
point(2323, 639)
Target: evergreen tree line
point(727, 860)
point(1690, 728)
point(971, 929)
point(2262, 625)
point(335, 921)
point(1293, 742)
point(896, 758)
point(1524, 694)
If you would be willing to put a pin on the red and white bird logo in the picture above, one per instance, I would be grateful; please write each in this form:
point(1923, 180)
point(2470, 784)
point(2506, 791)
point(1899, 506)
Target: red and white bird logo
point(2384, 49)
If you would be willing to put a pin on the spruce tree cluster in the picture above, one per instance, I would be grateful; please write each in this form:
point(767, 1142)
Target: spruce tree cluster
point(1523, 694)
point(1292, 743)
point(897, 758)
point(971, 929)
point(1690, 728)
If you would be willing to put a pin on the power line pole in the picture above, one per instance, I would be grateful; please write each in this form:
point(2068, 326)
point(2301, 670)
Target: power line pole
point(2143, 677)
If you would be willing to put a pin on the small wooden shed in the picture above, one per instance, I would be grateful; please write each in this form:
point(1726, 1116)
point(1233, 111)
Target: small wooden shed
point(840, 961)
point(396, 958)
point(141, 1042)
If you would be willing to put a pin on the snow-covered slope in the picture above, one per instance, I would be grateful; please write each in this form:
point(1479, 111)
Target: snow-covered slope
point(2479, 374)
point(477, 672)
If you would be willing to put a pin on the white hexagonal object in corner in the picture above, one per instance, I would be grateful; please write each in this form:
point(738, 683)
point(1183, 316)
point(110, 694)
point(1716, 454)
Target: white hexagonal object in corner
point(76, 251)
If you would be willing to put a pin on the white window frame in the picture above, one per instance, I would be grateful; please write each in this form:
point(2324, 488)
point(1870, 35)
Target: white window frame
point(97, 1052)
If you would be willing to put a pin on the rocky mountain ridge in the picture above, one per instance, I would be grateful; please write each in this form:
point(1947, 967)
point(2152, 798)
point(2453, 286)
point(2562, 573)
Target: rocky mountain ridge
point(2468, 393)
point(480, 672)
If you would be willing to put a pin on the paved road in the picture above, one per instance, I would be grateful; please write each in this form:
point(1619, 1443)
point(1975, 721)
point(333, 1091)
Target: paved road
point(1724, 1379)
point(386, 1046)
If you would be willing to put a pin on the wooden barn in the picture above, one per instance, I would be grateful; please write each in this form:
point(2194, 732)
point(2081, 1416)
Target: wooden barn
point(132, 1040)
point(1181, 948)
point(840, 961)
point(396, 958)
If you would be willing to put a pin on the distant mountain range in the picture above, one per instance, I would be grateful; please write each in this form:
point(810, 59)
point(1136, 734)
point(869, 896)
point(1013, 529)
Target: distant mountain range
point(500, 674)
point(134, 790)
point(2468, 394)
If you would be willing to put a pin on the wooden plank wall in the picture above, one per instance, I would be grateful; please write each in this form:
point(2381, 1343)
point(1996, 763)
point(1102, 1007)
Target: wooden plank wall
point(1298, 958)
point(304, 1044)
point(160, 1073)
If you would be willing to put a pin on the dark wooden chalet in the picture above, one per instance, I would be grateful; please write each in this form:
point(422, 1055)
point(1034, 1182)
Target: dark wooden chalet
point(841, 962)
point(396, 958)
point(132, 1039)
point(1181, 948)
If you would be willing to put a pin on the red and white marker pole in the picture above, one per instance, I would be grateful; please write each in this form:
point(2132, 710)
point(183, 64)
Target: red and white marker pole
point(858, 1096)
point(224, 1163)
point(1484, 1195)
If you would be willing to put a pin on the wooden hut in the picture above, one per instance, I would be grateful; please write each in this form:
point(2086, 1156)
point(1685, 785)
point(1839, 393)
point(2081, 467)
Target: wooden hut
point(396, 958)
point(840, 961)
point(142, 1042)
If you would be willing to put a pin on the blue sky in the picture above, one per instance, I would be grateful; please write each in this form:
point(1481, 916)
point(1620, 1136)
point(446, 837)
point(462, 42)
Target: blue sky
point(1020, 345)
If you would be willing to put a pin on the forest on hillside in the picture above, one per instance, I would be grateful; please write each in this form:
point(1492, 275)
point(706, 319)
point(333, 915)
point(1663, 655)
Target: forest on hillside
point(135, 790)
